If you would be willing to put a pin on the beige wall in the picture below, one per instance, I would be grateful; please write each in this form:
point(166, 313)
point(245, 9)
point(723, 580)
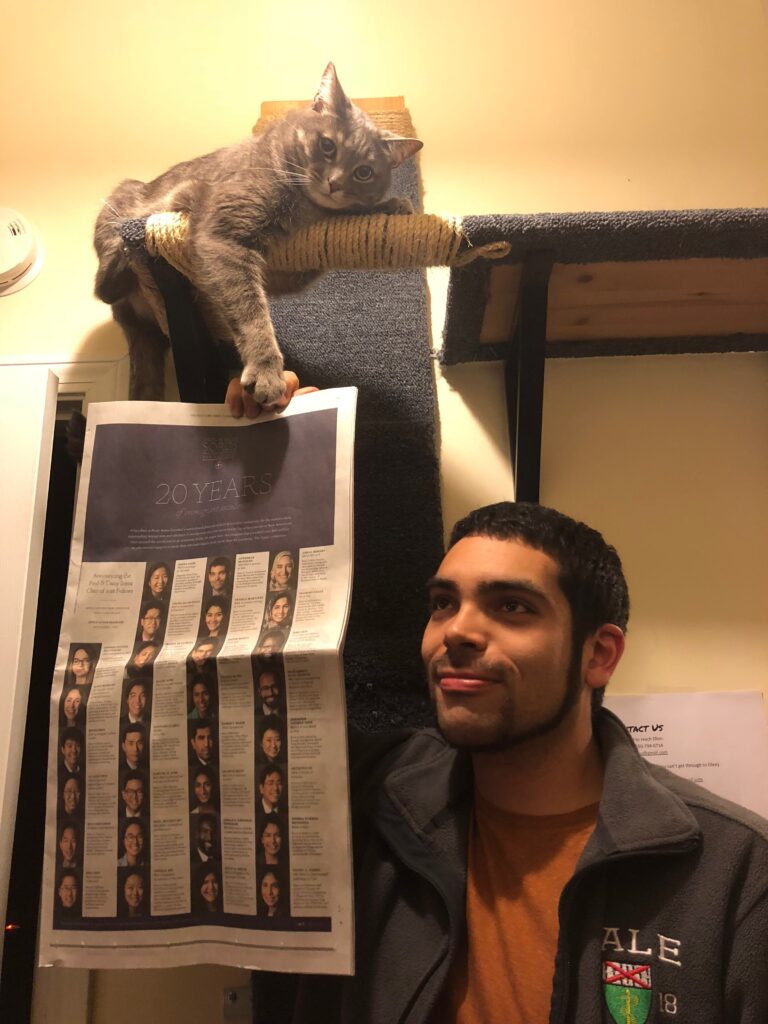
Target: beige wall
point(523, 106)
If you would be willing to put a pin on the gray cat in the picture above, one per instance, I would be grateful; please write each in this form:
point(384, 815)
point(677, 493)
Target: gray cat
point(326, 158)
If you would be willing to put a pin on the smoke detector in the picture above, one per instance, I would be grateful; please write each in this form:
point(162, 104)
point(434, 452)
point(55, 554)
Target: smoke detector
point(21, 255)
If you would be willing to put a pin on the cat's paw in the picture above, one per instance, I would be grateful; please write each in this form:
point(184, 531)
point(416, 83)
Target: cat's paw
point(396, 205)
point(266, 386)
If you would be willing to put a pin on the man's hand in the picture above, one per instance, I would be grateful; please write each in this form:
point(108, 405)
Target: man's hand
point(240, 402)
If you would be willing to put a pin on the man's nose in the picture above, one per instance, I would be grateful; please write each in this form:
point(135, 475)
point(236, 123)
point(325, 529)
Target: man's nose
point(466, 628)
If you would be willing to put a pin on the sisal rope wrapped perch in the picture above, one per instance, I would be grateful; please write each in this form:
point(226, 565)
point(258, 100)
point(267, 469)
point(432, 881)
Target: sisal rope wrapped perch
point(373, 242)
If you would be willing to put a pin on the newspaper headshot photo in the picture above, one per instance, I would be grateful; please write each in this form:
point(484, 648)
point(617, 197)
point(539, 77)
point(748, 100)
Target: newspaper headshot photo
point(215, 618)
point(73, 708)
point(67, 905)
point(81, 665)
point(271, 789)
point(269, 685)
point(218, 582)
point(132, 893)
point(133, 741)
point(133, 794)
point(137, 701)
point(72, 750)
point(282, 573)
point(202, 657)
point(201, 699)
point(133, 843)
point(157, 583)
point(270, 642)
point(279, 611)
point(206, 889)
point(71, 804)
point(151, 623)
point(202, 744)
point(271, 846)
point(203, 790)
point(272, 895)
point(68, 846)
point(270, 748)
point(204, 833)
point(143, 657)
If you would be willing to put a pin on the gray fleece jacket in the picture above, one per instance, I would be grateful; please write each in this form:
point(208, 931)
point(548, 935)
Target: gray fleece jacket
point(664, 920)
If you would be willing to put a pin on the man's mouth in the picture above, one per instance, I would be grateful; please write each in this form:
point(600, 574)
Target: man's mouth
point(460, 682)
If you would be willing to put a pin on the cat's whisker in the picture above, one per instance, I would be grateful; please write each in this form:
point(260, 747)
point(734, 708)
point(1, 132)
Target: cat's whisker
point(111, 207)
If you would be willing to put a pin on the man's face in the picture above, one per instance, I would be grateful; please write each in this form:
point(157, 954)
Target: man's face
point(68, 846)
point(271, 742)
point(271, 788)
point(497, 647)
point(282, 571)
point(133, 795)
point(205, 837)
point(144, 656)
point(150, 622)
point(201, 698)
point(269, 690)
point(217, 578)
point(68, 891)
point(202, 743)
point(133, 747)
point(71, 796)
point(70, 750)
point(137, 700)
point(202, 653)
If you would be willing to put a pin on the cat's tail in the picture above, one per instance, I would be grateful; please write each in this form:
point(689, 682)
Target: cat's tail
point(115, 279)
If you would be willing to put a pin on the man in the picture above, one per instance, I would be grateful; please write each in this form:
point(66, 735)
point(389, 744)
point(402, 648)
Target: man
point(202, 744)
point(218, 578)
point(69, 844)
point(72, 741)
point(132, 742)
point(270, 684)
point(150, 623)
point(271, 789)
point(133, 795)
point(524, 863)
point(205, 840)
point(136, 700)
point(202, 652)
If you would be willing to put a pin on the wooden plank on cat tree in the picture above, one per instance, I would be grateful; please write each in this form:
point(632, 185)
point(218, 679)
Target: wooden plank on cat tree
point(276, 108)
point(649, 299)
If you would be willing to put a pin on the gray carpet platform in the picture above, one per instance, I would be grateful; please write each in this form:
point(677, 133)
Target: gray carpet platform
point(602, 238)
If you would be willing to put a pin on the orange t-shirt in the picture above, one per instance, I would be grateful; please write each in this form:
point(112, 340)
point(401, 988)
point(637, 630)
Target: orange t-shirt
point(518, 865)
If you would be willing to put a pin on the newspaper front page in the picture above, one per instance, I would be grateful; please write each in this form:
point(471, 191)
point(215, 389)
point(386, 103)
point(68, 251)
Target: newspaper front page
point(198, 807)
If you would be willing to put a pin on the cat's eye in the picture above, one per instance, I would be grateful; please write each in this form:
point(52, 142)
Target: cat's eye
point(364, 173)
point(327, 146)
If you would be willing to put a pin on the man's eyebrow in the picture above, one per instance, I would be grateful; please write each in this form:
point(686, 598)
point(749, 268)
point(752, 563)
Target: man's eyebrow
point(490, 587)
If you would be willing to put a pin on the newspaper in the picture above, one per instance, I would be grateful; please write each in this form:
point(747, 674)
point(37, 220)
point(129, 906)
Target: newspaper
point(198, 797)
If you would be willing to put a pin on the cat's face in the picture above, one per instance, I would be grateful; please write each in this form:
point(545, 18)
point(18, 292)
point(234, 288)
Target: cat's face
point(348, 161)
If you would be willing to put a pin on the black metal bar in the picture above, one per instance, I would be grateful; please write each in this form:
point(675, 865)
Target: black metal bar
point(200, 373)
point(524, 375)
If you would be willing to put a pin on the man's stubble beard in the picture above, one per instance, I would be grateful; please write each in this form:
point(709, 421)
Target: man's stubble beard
point(506, 736)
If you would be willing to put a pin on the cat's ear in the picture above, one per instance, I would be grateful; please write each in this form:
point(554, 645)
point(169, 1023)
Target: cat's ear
point(330, 97)
point(400, 150)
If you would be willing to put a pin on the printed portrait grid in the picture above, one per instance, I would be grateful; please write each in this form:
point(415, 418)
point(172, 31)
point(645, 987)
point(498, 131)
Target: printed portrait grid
point(133, 798)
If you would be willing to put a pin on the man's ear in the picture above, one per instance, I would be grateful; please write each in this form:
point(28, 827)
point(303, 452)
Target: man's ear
point(602, 653)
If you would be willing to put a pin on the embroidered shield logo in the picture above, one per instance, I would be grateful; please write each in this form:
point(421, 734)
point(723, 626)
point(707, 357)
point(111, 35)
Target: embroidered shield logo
point(628, 991)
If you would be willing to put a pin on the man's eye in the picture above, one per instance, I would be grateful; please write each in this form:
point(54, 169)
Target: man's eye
point(327, 147)
point(439, 602)
point(511, 606)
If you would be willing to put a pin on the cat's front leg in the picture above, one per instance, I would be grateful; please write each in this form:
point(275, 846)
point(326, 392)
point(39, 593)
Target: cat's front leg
point(231, 278)
point(397, 205)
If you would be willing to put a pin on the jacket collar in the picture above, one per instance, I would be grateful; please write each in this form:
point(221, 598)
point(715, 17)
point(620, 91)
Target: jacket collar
point(430, 789)
point(637, 811)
